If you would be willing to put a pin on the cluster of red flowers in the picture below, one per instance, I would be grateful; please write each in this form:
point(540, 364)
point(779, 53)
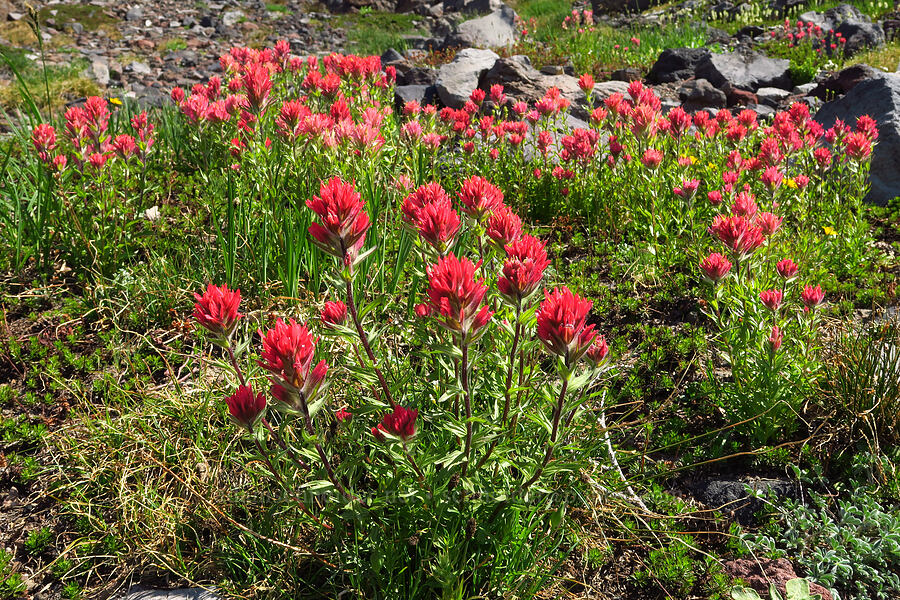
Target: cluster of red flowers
point(256, 78)
point(88, 139)
point(796, 34)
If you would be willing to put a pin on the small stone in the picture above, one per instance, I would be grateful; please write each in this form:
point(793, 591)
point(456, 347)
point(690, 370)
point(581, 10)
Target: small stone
point(232, 17)
point(100, 72)
point(140, 68)
point(135, 13)
point(771, 96)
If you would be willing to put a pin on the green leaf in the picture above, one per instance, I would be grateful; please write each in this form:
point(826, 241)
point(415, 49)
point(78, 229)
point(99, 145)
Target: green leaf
point(797, 589)
point(744, 593)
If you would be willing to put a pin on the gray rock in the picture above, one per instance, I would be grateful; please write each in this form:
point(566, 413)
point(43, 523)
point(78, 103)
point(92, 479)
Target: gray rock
point(141, 593)
point(627, 74)
point(771, 96)
point(879, 98)
point(390, 55)
point(675, 64)
point(605, 89)
point(621, 6)
point(75, 27)
point(140, 68)
point(458, 79)
point(838, 84)
point(100, 72)
point(232, 17)
point(495, 30)
point(804, 88)
point(522, 81)
point(135, 13)
point(762, 110)
point(698, 94)
point(851, 23)
point(423, 94)
point(745, 71)
point(416, 76)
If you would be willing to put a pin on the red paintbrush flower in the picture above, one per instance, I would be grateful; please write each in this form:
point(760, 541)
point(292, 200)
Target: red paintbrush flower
point(244, 407)
point(344, 220)
point(562, 324)
point(217, 309)
point(523, 269)
point(455, 296)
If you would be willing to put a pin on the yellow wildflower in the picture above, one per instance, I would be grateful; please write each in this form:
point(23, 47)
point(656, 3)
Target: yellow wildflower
point(115, 101)
point(829, 230)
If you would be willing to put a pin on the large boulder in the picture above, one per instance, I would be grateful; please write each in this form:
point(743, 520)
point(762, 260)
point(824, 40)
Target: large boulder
point(495, 30)
point(879, 98)
point(522, 81)
point(847, 20)
point(458, 79)
point(676, 64)
point(749, 71)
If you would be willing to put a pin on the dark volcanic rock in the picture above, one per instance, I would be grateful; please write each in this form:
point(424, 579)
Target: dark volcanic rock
point(879, 98)
point(620, 6)
point(676, 64)
point(730, 495)
point(423, 94)
point(838, 84)
point(745, 71)
point(760, 572)
point(698, 94)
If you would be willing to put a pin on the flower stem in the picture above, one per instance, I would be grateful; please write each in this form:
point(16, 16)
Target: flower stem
point(464, 377)
point(281, 482)
point(557, 414)
point(351, 305)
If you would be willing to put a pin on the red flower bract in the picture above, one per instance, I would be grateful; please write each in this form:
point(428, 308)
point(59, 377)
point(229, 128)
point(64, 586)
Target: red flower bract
point(738, 234)
point(562, 324)
point(787, 268)
point(288, 350)
point(345, 221)
point(334, 313)
point(480, 197)
point(715, 267)
point(438, 224)
point(523, 269)
point(454, 296)
point(424, 194)
point(401, 423)
point(504, 227)
point(217, 309)
point(812, 296)
point(771, 298)
point(244, 407)
point(775, 338)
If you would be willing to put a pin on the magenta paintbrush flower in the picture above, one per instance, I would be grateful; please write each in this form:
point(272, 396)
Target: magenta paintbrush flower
point(455, 296)
point(334, 313)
